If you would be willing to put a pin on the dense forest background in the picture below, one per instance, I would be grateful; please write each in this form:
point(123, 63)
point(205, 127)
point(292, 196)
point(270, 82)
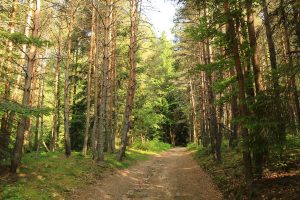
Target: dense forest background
point(93, 77)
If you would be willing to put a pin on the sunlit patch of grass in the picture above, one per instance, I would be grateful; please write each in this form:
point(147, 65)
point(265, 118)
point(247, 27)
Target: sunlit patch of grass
point(53, 176)
point(151, 146)
point(192, 146)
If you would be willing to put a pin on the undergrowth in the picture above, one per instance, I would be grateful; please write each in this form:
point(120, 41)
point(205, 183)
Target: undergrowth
point(152, 145)
point(281, 177)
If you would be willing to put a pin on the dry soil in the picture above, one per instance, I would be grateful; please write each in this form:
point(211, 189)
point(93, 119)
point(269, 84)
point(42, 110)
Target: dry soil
point(172, 175)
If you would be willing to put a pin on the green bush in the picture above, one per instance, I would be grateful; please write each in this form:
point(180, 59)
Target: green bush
point(152, 145)
point(192, 146)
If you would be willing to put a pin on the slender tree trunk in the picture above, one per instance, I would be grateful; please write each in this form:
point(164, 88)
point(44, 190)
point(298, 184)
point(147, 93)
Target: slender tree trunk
point(11, 117)
point(96, 89)
point(114, 96)
point(293, 85)
point(39, 138)
point(258, 80)
point(205, 136)
point(131, 84)
point(67, 82)
point(89, 77)
point(234, 114)
point(271, 45)
point(103, 120)
point(113, 89)
point(233, 47)
point(24, 51)
point(5, 130)
point(37, 121)
point(56, 117)
point(24, 121)
point(194, 113)
point(214, 134)
point(279, 129)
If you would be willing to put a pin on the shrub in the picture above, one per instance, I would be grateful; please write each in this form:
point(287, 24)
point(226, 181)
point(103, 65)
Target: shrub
point(152, 145)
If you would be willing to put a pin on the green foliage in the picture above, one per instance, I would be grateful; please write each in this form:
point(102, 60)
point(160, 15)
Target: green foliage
point(192, 146)
point(155, 77)
point(10, 106)
point(152, 145)
point(20, 38)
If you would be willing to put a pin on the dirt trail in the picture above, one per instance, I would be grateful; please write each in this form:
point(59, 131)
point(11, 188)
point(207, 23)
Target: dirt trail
point(172, 175)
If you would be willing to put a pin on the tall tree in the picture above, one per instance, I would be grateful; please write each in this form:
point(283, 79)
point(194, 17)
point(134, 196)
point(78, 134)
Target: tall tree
point(89, 77)
point(234, 49)
point(23, 124)
point(134, 19)
point(5, 130)
point(71, 17)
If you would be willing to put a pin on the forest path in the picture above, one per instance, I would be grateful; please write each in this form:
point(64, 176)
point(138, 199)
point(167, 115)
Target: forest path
point(171, 175)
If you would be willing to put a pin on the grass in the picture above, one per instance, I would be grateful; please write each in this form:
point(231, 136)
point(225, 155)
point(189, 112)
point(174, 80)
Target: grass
point(192, 146)
point(151, 146)
point(52, 176)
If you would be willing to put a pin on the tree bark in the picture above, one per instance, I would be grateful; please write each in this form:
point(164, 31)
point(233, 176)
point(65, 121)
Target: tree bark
point(96, 89)
point(89, 77)
point(293, 85)
point(24, 121)
point(233, 47)
point(113, 89)
point(271, 46)
point(5, 130)
point(194, 113)
point(56, 117)
point(103, 120)
point(67, 81)
point(134, 17)
point(258, 80)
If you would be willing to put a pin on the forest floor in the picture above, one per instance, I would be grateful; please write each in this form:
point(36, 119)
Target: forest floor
point(173, 174)
point(281, 178)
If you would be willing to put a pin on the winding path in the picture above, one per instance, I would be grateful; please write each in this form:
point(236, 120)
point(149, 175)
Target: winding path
point(172, 175)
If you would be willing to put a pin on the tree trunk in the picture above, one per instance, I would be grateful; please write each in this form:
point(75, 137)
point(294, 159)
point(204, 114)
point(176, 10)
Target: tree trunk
point(56, 117)
point(24, 51)
point(5, 130)
point(134, 17)
point(279, 127)
point(234, 114)
point(91, 63)
point(194, 113)
point(214, 134)
point(113, 89)
point(258, 80)
point(40, 117)
point(293, 85)
point(103, 120)
point(233, 47)
point(271, 45)
point(96, 89)
point(67, 82)
point(37, 121)
point(24, 121)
